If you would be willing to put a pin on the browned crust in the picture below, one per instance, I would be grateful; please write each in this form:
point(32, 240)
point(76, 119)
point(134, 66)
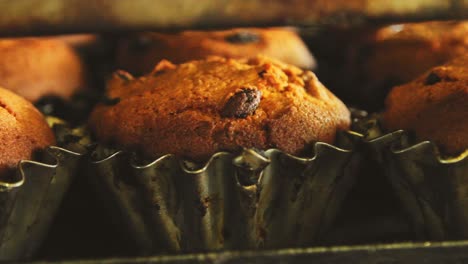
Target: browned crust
point(434, 106)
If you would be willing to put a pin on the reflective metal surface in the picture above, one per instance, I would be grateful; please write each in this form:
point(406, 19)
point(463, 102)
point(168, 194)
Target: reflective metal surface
point(430, 253)
point(235, 201)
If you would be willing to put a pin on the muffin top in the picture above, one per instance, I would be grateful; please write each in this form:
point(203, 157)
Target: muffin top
point(434, 106)
point(403, 52)
point(375, 60)
point(200, 107)
point(23, 130)
point(138, 53)
point(37, 67)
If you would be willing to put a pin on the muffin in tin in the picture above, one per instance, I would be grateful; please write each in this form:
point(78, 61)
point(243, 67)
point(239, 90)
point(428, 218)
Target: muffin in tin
point(23, 131)
point(38, 67)
point(34, 174)
point(201, 107)
point(139, 52)
point(230, 154)
point(423, 148)
point(434, 107)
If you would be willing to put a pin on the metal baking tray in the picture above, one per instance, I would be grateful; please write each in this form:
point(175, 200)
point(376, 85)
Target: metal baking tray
point(430, 253)
point(39, 17)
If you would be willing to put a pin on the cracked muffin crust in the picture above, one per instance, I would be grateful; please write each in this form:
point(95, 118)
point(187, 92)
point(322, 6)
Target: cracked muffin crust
point(138, 53)
point(23, 130)
point(434, 106)
point(37, 67)
point(200, 107)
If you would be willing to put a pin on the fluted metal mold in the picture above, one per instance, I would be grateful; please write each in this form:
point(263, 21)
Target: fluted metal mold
point(29, 202)
point(433, 189)
point(248, 200)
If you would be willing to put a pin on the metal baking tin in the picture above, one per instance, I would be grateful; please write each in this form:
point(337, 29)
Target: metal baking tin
point(28, 203)
point(251, 200)
point(432, 189)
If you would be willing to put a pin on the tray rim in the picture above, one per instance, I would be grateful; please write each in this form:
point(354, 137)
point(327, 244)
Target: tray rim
point(218, 257)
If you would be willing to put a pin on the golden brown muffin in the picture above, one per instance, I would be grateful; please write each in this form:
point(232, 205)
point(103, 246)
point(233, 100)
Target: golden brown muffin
point(139, 53)
point(434, 106)
point(397, 54)
point(23, 130)
point(200, 107)
point(35, 67)
point(405, 51)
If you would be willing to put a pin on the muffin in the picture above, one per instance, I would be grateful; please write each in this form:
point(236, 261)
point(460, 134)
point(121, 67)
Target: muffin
point(35, 173)
point(434, 107)
point(217, 165)
point(201, 107)
point(23, 130)
point(39, 67)
point(138, 53)
point(421, 143)
point(370, 62)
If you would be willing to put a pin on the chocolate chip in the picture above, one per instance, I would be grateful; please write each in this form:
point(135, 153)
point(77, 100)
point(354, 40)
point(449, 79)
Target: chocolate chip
point(242, 104)
point(262, 73)
point(242, 37)
point(432, 78)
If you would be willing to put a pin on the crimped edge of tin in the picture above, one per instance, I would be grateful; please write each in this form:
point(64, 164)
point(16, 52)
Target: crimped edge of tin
point(33, 197)
point(398, 142)
point(431, 146)
point(317, 149)
point(51, 152)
